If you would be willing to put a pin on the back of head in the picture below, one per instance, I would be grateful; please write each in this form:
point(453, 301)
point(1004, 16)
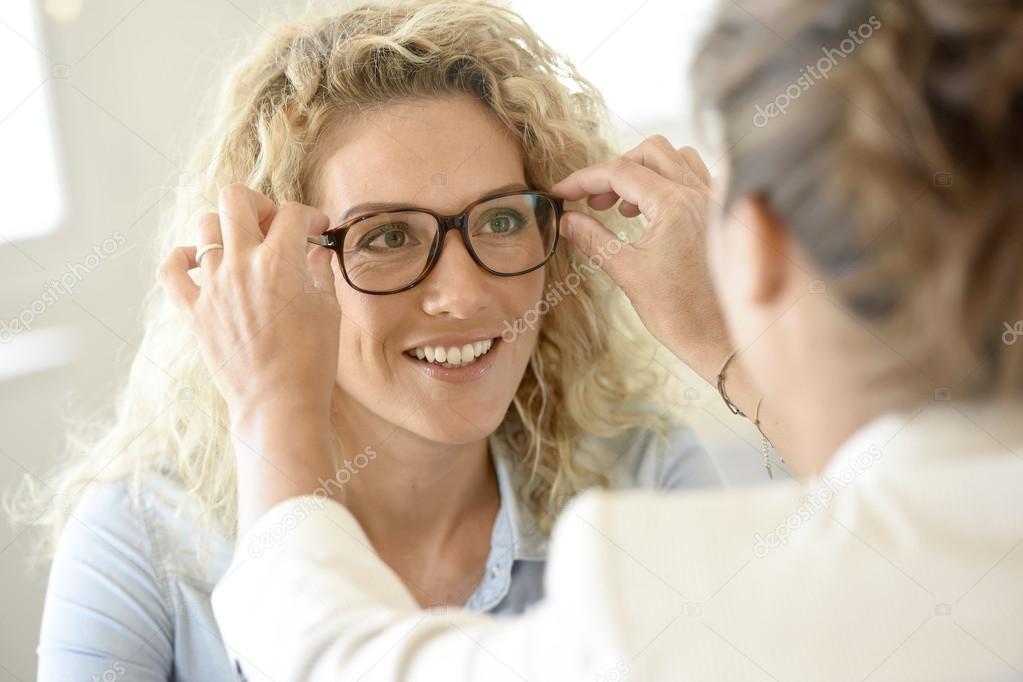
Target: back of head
point(887, 135)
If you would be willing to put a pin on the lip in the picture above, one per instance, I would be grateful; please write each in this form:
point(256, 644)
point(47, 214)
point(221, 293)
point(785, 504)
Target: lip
point(459, 375)
point(456, 339)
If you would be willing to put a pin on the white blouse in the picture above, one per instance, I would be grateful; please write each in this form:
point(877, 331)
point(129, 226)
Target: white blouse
point(902, 561)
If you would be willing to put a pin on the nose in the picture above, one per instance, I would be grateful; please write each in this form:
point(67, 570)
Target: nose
point(455, 287)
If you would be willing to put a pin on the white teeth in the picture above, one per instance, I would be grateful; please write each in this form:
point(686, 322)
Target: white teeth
point(453, 356)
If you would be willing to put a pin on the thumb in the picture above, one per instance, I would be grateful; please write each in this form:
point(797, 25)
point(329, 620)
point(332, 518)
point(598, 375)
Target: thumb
point(319, 261)
point(602, 246)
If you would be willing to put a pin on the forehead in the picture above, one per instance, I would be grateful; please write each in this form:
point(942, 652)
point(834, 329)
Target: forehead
point(439, 154)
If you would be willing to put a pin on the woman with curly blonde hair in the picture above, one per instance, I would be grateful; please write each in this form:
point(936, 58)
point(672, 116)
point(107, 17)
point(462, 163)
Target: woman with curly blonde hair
point(862, 248)
point(483, 377)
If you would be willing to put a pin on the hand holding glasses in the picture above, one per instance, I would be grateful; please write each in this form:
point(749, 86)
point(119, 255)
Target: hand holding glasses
point(386, 252)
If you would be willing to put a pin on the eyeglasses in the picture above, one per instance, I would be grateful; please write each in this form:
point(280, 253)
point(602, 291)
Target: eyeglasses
point(387, 252)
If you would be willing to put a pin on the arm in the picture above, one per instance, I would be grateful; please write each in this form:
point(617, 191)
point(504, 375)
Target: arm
point(320, 605)
point(106, 612)
point(664, 272)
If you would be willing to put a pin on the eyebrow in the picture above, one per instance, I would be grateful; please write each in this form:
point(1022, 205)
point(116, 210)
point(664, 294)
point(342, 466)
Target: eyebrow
point(369, 206)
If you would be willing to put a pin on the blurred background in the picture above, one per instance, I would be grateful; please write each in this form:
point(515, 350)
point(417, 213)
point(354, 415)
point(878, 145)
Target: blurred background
point(99, 101)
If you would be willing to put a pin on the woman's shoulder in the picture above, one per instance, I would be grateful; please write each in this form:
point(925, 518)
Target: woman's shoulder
point(644, 457)
point(157, 520)
point(133, 565)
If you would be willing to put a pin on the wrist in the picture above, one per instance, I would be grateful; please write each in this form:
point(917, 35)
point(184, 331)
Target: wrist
point(263, 415)
point(279, 453)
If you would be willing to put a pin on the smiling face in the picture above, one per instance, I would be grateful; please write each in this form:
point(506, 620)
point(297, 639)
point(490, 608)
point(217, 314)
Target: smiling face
point(438, 154)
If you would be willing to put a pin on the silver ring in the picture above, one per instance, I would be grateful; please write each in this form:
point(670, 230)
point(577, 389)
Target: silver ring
point(204, 250)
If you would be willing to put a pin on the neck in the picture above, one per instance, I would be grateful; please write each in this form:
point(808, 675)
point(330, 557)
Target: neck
point(414, 494)
point(821, 416)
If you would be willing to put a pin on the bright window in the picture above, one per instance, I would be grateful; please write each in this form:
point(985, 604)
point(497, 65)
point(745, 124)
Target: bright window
point(31, 192)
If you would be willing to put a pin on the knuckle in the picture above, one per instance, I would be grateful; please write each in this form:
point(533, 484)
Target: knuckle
point(673, 201)
point(263, 259)
point(235, 191)
point(302, 215)
point(293, 210)
point(659, 141)
point(302, 210)
point(209, 222)
point(619, 164)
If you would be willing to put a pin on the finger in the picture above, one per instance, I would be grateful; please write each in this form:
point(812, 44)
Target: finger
point(320, 261)
point(245, 215)
point(173, 277)
point(696, 163)
point(290, 227)
point(209, 233)
point(631, 181)
point(593, 238)
point(602, 202)
point(657, 154)
point(629, 210)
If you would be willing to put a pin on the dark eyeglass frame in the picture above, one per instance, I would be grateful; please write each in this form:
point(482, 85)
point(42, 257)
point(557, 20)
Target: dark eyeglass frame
point(334, 237)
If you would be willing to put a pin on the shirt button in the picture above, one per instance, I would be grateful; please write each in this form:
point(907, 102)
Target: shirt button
point(495, 571)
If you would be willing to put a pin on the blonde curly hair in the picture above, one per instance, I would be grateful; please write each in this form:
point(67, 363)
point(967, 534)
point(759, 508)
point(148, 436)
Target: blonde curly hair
point(593, 368)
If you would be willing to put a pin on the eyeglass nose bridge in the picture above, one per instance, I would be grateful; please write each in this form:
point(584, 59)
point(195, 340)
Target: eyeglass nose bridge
point(458, 223)
point(452, 222)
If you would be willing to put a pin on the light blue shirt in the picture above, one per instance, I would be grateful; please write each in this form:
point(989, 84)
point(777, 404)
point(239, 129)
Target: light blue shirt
point(129, 590)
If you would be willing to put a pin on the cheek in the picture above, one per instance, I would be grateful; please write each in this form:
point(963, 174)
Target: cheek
point(363, 322)
point(525, 310)
point(524, 296)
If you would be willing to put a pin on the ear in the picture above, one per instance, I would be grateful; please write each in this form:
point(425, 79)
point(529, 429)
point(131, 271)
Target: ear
point(763, 251)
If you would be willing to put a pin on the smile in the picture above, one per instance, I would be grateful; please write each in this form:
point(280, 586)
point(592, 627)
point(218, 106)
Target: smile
point(453, 356)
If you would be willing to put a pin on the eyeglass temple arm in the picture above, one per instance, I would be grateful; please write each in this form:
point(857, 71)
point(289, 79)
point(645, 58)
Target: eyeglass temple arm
point(321, 240)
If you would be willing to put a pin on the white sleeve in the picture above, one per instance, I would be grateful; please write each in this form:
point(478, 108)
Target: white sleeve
point(307, 598)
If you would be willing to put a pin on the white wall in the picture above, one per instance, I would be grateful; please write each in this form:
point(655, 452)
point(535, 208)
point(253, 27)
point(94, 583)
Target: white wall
point(122, 80)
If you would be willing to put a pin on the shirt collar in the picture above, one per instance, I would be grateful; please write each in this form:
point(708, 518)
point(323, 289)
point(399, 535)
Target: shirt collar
point(932, 431)
point(516, 535)
point(523, 536)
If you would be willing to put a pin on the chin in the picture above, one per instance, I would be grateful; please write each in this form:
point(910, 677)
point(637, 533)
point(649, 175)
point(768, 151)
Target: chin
point(459, 422)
